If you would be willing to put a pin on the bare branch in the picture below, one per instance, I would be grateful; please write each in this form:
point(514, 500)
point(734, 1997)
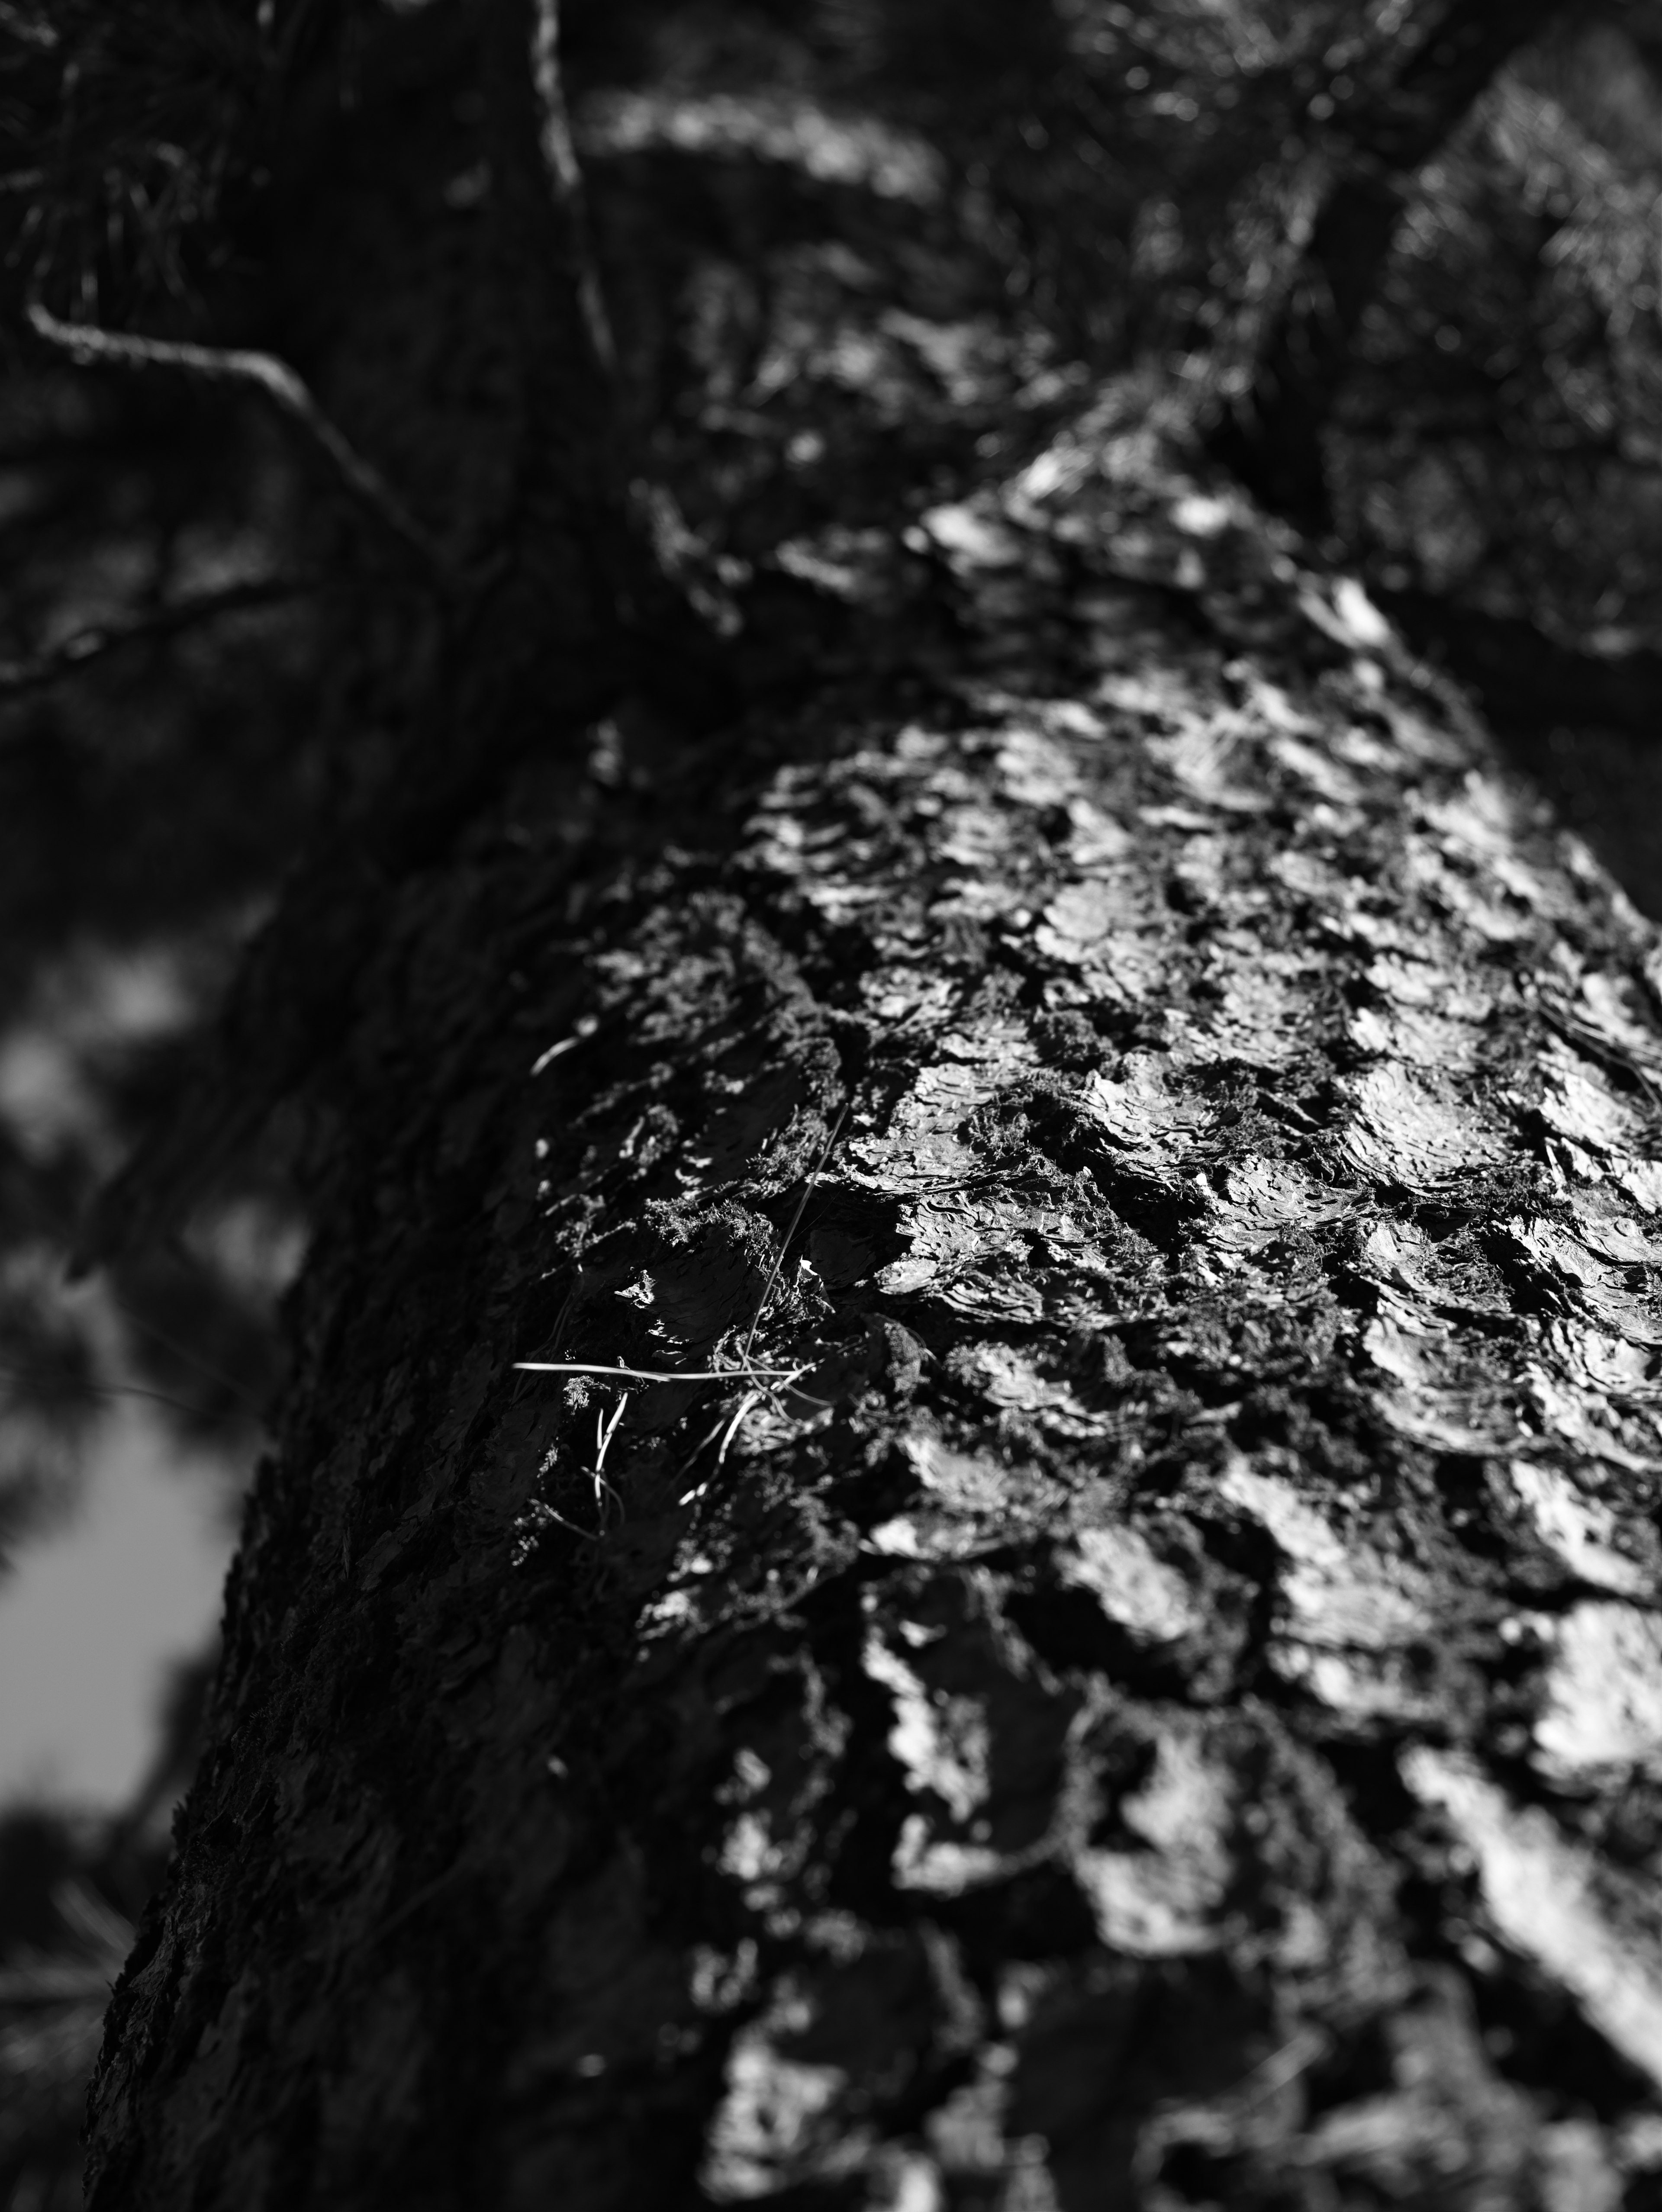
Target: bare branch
point(1275, 442)
point(20, 677)
point(573, 472)
point(564, 177)
point(580, 549)
point(90, 347)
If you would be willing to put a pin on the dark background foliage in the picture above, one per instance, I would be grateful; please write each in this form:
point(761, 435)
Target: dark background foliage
point(857, 254)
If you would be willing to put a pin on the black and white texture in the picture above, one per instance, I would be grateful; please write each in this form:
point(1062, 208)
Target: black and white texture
point(1142, 1683)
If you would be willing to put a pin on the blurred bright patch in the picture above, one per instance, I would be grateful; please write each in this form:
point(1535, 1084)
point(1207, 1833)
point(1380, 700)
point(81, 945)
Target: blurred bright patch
point(92, 1615)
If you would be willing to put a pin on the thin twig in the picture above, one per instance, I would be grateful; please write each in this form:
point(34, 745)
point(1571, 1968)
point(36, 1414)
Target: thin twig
point(565, 178)
point(181, 1351)
point(90, 347)
point(114, 1390)
point(604, 1431)
point(801, 1207)
point(19, 677)
point(660, 1374)
point(585, 1535)
point(750, 1398)
point(585, 1030)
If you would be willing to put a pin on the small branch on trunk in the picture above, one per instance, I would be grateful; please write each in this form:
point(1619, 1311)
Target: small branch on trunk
point(20, 677)
point(582, 551)
point(571, 520)
point(1274, 442)
point(90, 347)
point(565, 178)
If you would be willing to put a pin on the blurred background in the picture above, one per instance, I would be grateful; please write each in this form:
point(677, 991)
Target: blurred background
point(858, 253)
point(147, 807)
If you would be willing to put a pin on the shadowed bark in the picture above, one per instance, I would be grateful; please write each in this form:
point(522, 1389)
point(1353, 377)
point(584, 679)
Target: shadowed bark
point(1526, 680)
point(568, 609)
point(1137, 1684)
point(1274, 441)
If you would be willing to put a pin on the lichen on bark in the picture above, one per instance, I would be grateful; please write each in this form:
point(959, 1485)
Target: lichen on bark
point(1166, 1708)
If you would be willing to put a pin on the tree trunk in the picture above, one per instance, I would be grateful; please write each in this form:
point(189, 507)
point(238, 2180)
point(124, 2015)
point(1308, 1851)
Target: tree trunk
point(1122, 1669)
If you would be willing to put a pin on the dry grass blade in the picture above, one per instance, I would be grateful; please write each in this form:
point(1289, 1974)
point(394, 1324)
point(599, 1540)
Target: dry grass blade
point(815, 1174)
point(742, 1373)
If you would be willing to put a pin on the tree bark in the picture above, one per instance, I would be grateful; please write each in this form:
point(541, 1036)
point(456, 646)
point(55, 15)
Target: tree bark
point(1137, 1682)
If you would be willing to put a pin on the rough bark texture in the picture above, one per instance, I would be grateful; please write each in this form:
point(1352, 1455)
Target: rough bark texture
point(1165, 1707)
